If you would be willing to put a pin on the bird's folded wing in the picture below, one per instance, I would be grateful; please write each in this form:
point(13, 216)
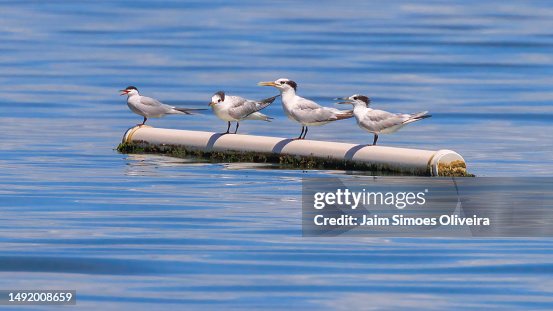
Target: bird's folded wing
point(148, 101)
point(310, 112)
point(306, 104)
point(264, 103)
point(154, 107)
point(321, 114)
point(240, 107)
point(379, 115)
point(379, 119)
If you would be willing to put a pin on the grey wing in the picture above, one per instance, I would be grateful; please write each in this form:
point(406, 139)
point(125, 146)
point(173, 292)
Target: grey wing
point(154, 106)
point(306, 104)
point(309, 111)
point(378, 120)
point(241, 107)
point(148, 101)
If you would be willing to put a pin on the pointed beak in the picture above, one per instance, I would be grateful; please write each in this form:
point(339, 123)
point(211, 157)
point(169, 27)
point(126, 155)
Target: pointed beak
point(270, 83)
point(123, 92)
point(345, 101)
point(211, 104)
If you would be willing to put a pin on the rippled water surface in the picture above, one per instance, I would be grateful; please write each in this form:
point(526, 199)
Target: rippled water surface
point(152, 232)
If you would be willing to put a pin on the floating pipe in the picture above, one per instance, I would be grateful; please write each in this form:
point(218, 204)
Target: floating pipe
point(275, 149)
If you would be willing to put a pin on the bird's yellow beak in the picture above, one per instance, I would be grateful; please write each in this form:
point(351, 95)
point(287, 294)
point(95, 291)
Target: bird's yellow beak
point(211, 104)
point(345, 100)
point(271, 83)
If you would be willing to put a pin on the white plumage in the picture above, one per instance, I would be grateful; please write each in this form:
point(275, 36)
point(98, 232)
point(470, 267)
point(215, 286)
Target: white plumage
point(150, 107)
point(379, 121)
point(302, 110)
point(235, 108)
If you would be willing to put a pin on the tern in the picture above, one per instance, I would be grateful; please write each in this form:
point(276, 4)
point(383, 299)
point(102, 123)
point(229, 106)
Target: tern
point(379, 121)
point(302, 110)
point(150, 107)
point(235, 109)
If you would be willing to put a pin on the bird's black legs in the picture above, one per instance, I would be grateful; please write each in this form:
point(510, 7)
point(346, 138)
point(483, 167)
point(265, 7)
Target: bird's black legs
point(301, 134)
point(375, 139)
point(143, 122)
point(228, 128)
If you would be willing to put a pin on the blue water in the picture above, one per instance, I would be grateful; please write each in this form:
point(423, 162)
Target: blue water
point(151, 232)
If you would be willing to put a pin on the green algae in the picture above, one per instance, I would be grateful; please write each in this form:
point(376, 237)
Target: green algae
point(454, 169)
point(287, 161)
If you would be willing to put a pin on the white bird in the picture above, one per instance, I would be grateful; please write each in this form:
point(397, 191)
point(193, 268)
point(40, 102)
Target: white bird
point(235, 109)
point(302, 110)
point(379, 121)
point(150, 107)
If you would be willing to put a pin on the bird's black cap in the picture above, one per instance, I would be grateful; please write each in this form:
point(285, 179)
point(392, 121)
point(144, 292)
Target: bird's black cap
point(292, 84)
point(364, 98)
point(131, 88)
point(221, 94)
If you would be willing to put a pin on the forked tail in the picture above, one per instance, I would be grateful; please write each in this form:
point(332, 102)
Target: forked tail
point(418, 116)
point(421, 115)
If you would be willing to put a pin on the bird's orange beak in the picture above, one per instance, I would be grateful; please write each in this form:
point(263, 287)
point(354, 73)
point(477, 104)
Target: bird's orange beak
point(123, 92)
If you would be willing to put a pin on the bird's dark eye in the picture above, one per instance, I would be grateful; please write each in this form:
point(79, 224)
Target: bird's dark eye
point(282, 82)
point(355, 98)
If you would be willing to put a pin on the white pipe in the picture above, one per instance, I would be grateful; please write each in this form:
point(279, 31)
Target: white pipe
point(412, 161)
